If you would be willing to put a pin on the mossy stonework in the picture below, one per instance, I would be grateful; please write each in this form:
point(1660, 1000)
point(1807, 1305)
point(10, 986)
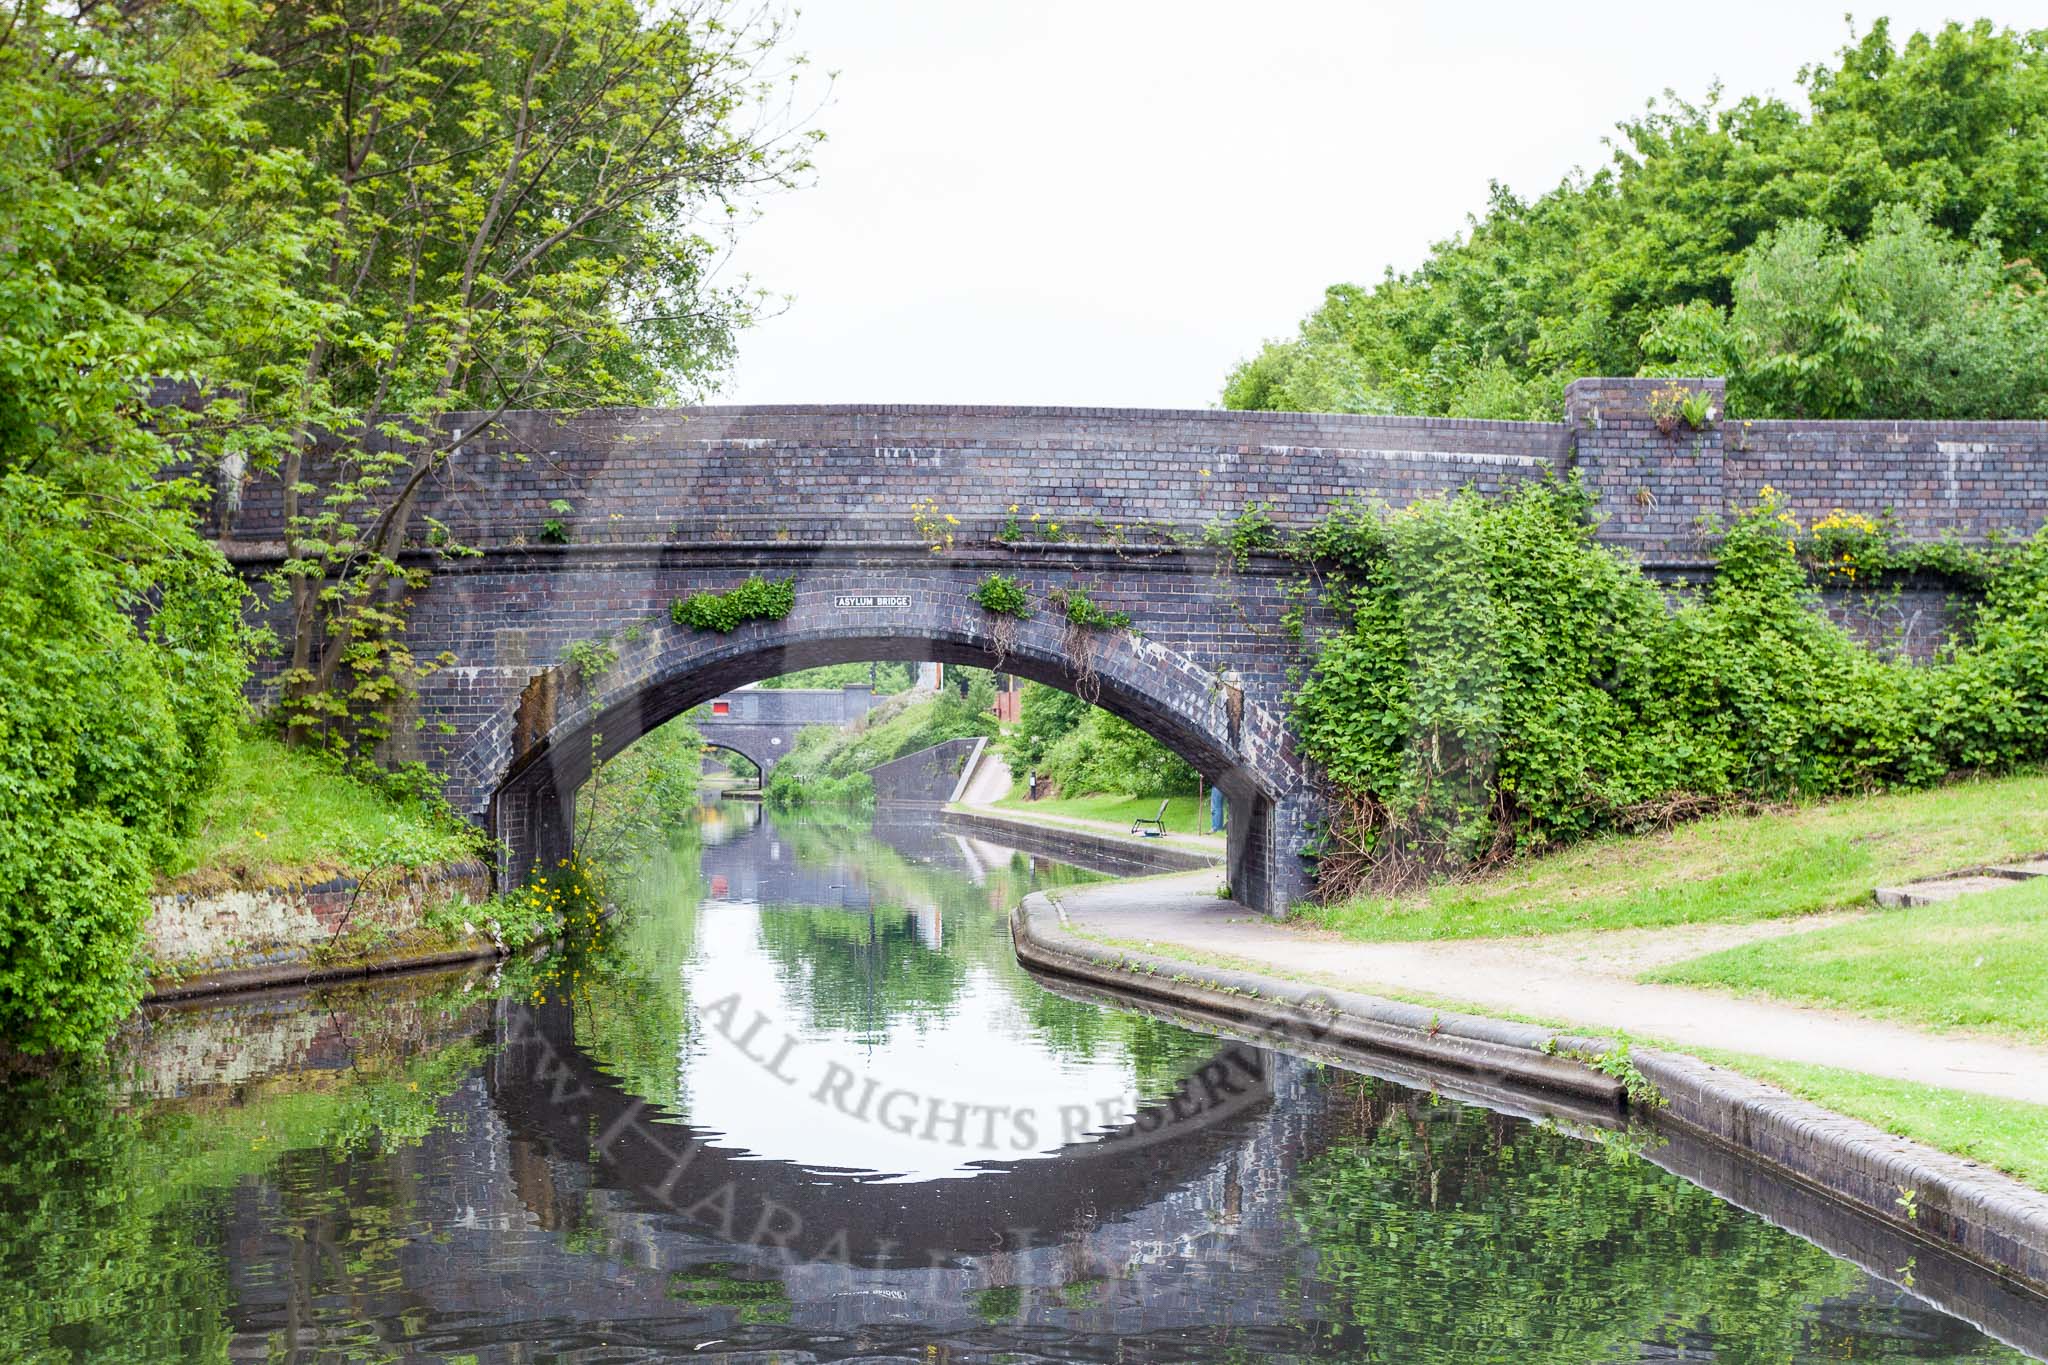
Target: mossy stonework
point(237, 934)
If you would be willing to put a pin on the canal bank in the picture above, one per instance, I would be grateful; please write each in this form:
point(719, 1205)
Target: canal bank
point(1171, 942)
point(303, 932)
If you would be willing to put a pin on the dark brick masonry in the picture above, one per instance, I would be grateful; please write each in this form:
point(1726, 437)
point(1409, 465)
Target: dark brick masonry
point(666, 503)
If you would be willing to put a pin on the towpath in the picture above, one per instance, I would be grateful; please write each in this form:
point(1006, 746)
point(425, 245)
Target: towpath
point(1579, 980)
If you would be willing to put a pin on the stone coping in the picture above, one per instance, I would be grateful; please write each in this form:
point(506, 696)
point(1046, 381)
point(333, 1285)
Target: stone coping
point(1930, 1198)
point(280, 975)
point(1099, 849)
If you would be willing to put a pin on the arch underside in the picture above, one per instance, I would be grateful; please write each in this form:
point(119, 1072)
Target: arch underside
point(1235, 745)
point(734, 749)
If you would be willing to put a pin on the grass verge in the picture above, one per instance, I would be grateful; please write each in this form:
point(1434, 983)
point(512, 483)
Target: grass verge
point(1184, 814)
point(281, 814)
point(1979, 963)
point(1731, 868)
point(2010, 1135)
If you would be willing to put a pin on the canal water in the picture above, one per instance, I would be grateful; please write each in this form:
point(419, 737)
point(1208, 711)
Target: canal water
point(798, 1102)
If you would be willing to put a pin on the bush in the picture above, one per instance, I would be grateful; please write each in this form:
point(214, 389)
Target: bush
point(108, 737)
point(1107, 754)
point(1502, 683)
point(757, 599)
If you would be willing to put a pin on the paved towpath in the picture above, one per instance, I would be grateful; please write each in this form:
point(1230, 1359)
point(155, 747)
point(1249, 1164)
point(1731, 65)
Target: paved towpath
point(1583, 980)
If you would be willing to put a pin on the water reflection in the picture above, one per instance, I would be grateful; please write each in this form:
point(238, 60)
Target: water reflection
point(434, 1170)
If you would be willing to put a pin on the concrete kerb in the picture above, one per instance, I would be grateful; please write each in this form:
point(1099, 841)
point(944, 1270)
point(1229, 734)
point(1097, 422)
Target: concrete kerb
point(1929, 1197)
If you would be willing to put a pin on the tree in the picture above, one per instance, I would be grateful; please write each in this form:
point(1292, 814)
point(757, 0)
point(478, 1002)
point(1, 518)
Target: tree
point(141, 241)
point(1577, 281)
point(512, 206)
point(1910, 323)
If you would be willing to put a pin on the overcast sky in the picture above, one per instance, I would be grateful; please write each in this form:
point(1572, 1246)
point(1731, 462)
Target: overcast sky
point(1111, 202)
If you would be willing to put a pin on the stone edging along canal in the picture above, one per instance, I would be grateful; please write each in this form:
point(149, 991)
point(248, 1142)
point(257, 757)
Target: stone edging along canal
point(254, 938)
point(1930, 1197)
point(1101, 852)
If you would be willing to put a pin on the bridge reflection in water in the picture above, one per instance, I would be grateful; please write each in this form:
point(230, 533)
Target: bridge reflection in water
point(638, 1168)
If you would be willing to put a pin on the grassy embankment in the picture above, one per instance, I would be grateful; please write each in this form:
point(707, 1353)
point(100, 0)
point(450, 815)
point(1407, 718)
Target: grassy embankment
point(1823, 856)
point(1979, 964)
point(1184, 814)
point(1971, 965)
point(279, 814)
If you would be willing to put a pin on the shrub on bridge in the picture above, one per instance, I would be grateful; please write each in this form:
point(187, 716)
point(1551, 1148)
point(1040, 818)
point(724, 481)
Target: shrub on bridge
point(1500, 682)
point(757, 599)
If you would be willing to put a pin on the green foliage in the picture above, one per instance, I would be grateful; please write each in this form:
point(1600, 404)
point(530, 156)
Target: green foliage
point(1745, 238)
point(1503, 684)
point(889, 678)
point(1003, 595)
point(1908, 322)
point(592, 659)
point(646, 788)
point(1083, 749)
point(109, 735)
point(1083, 612)
point(566, 899)
point(1251, 532)
point(554, 530)
point(829, 764)
point(1045, 715)
point(757, 599)
point(1105, 753)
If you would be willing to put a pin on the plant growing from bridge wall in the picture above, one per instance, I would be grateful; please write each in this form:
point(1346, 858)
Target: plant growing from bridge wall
point(1250, 532)
point(592, 659)
point(555, 531)
point(1086, 620)
point(757, 599)
point(1004, 595)
point(934, 526)
point(1008, 600)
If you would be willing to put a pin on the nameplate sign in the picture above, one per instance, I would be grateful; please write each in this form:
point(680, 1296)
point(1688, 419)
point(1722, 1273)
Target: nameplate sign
point(848, 601)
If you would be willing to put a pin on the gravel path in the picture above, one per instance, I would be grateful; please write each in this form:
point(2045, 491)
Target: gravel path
point(1584, 980)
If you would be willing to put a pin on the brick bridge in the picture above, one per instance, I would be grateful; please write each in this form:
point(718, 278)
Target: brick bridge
point(668, 503)
point(760, 723)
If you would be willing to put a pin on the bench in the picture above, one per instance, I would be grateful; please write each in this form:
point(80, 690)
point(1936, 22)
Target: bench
point(1152, 828)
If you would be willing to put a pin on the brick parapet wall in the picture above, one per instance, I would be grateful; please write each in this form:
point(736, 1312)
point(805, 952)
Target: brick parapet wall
point(1962, 479)
point(840, 474)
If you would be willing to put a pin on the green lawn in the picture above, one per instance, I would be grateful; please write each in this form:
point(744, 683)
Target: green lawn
point(1816, 857)
point(2007, 1134)
point(1184, 814)
point(1977, 963)
point(281, 813)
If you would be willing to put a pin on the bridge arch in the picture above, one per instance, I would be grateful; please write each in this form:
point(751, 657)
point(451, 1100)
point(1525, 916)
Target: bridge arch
point(523, 765)
point(734, 749)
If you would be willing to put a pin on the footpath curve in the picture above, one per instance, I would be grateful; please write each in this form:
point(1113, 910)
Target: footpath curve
point(1154, 941)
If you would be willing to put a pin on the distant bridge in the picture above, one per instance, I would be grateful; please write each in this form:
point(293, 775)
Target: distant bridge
point(887, 519)
point(761, 723)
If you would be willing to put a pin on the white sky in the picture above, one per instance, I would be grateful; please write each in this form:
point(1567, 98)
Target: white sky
point(1111, 202)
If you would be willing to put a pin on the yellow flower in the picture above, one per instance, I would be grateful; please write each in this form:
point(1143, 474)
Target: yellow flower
point(952, 520)
point(1205, 473)
point(1013, 507)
